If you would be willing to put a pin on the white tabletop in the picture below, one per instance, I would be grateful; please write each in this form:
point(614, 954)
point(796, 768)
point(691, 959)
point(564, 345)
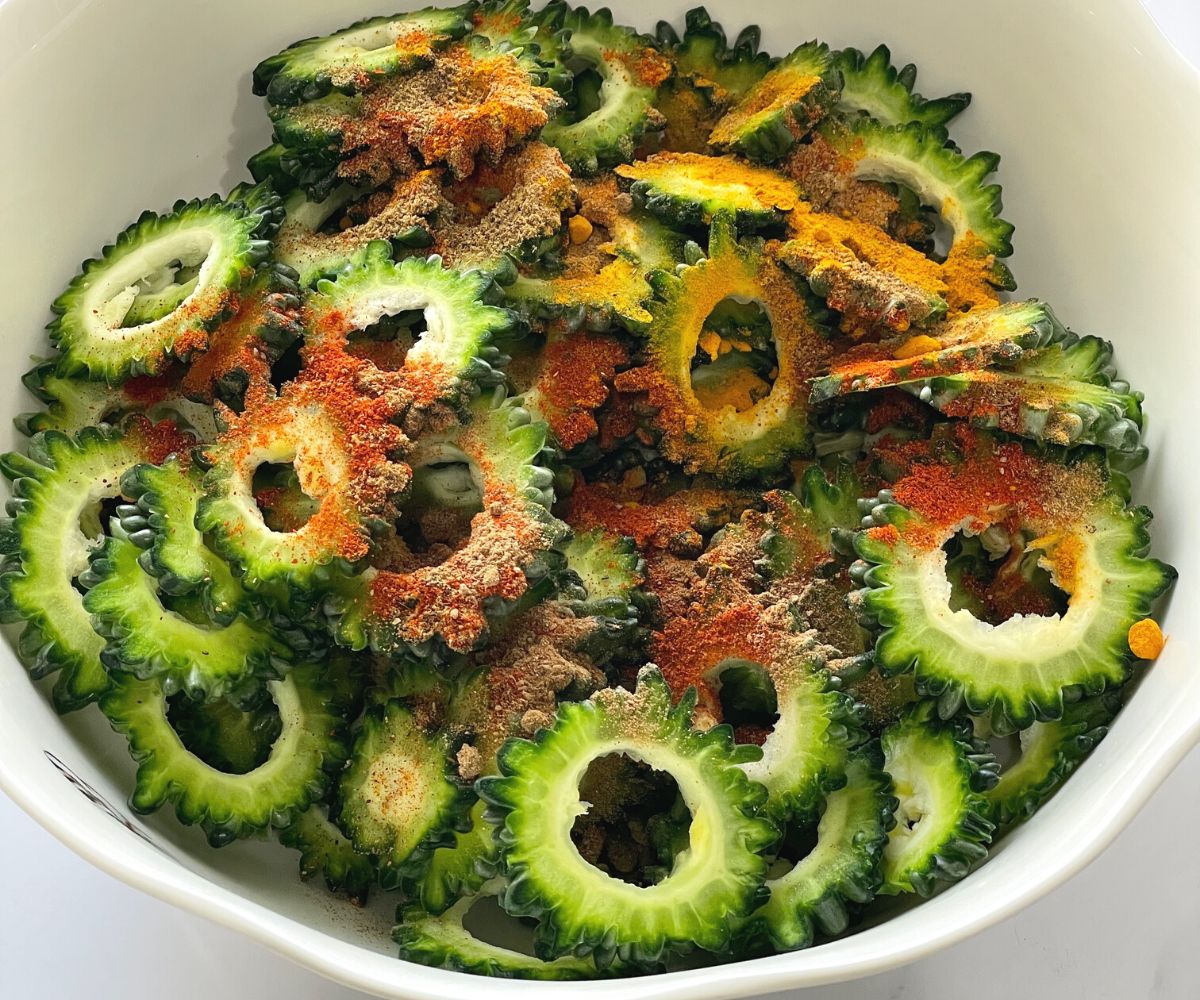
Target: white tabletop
point(1127, 928)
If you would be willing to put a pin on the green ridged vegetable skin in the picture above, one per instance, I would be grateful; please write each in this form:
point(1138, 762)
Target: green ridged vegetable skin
point(46, 540)
point(630, 73)
point(781, 107)
point(358, 56)
point(132, 309)
point(841, 874)
point(399, 798)
point(872, 85)
point(582, 910)
point(1077, 517)
point(229, 806)
point(938, 773)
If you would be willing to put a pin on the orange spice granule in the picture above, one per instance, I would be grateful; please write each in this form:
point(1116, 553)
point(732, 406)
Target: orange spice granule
point(1146, 639)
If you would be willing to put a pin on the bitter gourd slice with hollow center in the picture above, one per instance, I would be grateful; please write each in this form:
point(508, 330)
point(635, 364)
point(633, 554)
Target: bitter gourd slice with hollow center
point(1092, 543)
point(580, 908)
point(52, 527)
point(228, 806)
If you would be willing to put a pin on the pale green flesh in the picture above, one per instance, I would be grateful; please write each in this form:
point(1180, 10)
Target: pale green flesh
point(396, 790)
point(165, 643)
point(684, 907)
point(932, 791)
point(446, 934)
point(1024, 654)
point(798, 752)
point(55, 551)
point(455, 870)
point(253, 797)
point(851, 815)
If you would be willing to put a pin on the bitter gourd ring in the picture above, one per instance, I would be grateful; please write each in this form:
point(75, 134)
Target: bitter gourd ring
point(344, 448)
point(359, 56)
point(53, 519)
point(733, 444)
point(393, 609)
point(164, 283)
point(228, 806)
point(804, 753)
point(451, 354)
point(631, 72)
point(1093, 544)
point(473, 102)
point(840, 874)
point(444, 943)
point(939, 773)
point(583, 910)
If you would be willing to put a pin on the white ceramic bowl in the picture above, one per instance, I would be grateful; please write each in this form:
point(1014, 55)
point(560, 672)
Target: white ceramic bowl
point(110, 106)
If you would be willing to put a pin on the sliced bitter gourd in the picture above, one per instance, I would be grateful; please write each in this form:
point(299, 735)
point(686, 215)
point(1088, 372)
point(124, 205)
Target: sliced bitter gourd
point(147, 638)
point(630, 72)
point(610, 572)
point(841, 873)
point(304, 241)
point(983, 337)
point(804, 752)
point(782, 107)
point(733, 444)
point(459, 869)
point(1094, 546)
point(393, 610)
point(237, 362)
point(568, 380)
point(1065, 394)
point(442, 942)
point(510, 212)
point(705, 58)
point(399, 798)
point(104, 325)
point(161, 520)
point(343, 447)
point(452, 354)
point(53, 521)
point(358, 56)
point(541, 46)
point(228, 806)
point(1050, 752)
point(801, 526)
point(952, 184)
point(871, 84)
point(473, 102)
point(75, 403)
point(606, 284)
point(939, 772)
point(709, 76)
point(583, 910)
point(232, 736)
point(688, 189)
point(326, 851)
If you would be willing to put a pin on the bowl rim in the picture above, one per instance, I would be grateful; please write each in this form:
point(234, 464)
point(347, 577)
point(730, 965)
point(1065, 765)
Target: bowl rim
point(351, 965)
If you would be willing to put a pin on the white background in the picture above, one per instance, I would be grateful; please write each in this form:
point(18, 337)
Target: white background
point(1127, 928)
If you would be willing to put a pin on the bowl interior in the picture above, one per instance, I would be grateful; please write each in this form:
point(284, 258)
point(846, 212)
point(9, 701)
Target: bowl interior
point(121, 106)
